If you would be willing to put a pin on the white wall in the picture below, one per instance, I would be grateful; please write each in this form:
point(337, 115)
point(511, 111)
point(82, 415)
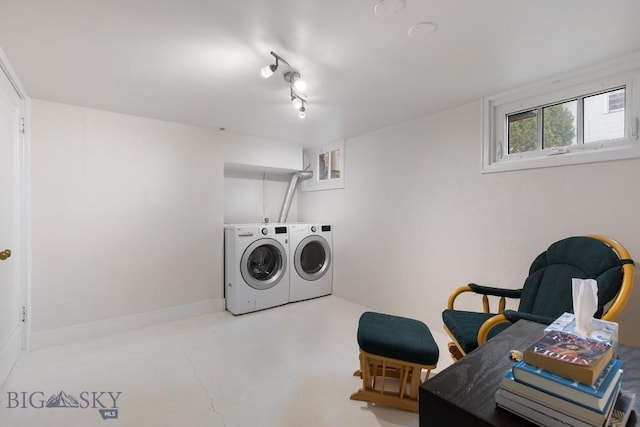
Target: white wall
point(417, 219)
point(128, 212)
point(250, 195)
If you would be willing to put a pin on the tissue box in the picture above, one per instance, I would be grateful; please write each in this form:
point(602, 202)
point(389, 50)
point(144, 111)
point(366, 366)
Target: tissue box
point(601, 330)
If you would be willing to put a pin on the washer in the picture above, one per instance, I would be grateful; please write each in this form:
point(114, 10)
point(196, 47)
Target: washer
point(311, 260)
point(256, 273)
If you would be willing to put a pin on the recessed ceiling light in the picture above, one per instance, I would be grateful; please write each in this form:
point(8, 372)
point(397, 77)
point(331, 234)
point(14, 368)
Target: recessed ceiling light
point(422, 30)
point(386, 8)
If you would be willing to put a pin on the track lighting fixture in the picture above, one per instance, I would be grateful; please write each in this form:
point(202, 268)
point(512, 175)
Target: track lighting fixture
point(297, 86)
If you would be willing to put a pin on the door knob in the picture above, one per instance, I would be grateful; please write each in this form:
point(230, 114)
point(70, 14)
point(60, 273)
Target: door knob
point(5, 254)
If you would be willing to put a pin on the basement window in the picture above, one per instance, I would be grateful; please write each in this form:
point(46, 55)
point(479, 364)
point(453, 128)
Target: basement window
point(577, 118)
point(327, 165)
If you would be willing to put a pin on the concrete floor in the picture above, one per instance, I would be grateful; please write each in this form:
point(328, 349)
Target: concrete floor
point(286, 366)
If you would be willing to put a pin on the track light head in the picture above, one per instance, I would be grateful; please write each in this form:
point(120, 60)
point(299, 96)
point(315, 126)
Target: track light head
point(268, 70)
point(299, 85)
point(296, 82)
point(303, 111)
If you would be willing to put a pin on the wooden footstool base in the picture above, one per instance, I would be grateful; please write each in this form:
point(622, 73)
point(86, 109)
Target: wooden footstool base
point(393, 353)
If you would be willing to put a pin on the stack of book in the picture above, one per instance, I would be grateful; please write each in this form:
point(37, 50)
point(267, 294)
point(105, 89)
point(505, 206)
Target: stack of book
point(567, 380)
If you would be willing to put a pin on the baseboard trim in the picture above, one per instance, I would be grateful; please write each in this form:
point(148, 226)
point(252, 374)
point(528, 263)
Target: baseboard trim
point(47, 338)
point(9, 352)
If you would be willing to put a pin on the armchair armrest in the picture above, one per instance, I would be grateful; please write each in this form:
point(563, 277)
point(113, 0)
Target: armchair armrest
point(513, 316)
point(455, 293)
point(498, 292)
point(483, 333)
point(485, 291)
point(509, 316)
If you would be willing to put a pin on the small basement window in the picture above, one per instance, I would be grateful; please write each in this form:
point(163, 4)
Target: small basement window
point(573, 119)
point(327, 165)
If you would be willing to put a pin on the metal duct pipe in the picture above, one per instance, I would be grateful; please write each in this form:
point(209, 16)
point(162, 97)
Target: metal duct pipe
point(291, 191)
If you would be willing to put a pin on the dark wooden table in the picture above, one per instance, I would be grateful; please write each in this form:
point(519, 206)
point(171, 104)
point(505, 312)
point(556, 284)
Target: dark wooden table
point(463, 394)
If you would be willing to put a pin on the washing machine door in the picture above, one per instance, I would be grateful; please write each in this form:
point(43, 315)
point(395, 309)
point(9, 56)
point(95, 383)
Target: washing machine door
point(312, 257)
point(263, 264)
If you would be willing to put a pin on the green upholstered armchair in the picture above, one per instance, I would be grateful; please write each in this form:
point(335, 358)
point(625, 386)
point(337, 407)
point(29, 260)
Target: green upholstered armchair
point(546, 292)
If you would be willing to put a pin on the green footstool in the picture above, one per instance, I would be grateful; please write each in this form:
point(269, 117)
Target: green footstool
point(393, 352)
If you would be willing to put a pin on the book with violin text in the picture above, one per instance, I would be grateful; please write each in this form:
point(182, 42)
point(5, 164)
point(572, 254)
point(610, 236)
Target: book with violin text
point(571, 356)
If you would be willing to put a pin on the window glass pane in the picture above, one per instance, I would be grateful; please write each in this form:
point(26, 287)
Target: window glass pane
point(559, 125)
point(329, 165)
point(601, 121)
point(523, 131)
point(616, 100)
point(324, 161)
point(335, 164)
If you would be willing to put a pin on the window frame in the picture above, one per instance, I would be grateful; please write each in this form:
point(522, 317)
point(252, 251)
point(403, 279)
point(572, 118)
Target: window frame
point(570, 86)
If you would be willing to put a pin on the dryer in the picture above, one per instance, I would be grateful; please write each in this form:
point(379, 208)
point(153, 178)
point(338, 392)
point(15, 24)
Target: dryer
point(256, 273)
point(311, 261)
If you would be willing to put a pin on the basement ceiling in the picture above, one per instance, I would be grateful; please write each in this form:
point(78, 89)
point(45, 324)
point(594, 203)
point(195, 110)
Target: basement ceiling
point(198, 62)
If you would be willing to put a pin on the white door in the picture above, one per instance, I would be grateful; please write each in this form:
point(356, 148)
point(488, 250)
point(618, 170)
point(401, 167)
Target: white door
point(11, 251)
